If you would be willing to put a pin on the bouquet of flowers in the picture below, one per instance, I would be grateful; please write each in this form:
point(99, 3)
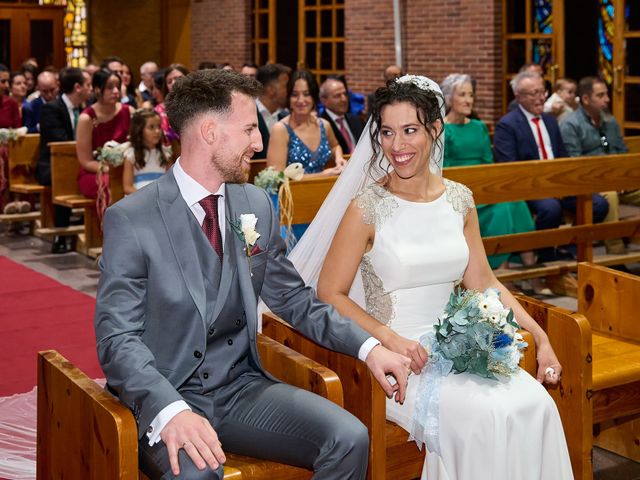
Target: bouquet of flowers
point(477, 334)
point(11, 134)
point(270, 180)
point(111, 153)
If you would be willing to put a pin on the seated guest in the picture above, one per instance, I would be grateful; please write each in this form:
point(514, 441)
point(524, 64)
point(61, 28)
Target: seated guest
point(30, 74)
point(48, 91)
point(346, 127)
point(272, 103)
point(171, 74)
point(467, 142)
point(147, 71)
point(58, 122)
point(9, 118)
point(303, 137)
point(531, 67)
point(128, 90)
point(145, 161)
point(18, 90)
point(105, 120)
point(390, 73)
point(250, 69)
point(527, 133)
point(563, 101)
point(592, 130)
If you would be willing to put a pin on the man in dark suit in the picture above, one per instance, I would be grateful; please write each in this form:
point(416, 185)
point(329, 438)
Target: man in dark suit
point(526, 133)
point(272, 104)
point(183, 264)
point(47, 86)
point(346, 127)
point(58, 121)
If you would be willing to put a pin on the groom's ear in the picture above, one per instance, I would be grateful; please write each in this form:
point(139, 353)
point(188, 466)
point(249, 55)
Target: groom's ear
point(208, 129)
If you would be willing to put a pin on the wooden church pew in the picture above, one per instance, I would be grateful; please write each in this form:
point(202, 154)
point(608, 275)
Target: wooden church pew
point(392, 457)
point(85, 432)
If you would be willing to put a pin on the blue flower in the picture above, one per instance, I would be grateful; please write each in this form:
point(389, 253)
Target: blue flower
point(502, 340)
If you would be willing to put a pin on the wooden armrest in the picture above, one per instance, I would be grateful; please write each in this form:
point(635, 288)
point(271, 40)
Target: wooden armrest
point(295, 369)
point(82, 429)
point(363, 396)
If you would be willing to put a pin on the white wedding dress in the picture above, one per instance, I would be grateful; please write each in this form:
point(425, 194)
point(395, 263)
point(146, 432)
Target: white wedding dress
point(488, 429)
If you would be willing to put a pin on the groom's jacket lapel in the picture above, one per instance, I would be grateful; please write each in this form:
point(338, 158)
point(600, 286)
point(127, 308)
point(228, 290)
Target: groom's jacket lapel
point(176, 216)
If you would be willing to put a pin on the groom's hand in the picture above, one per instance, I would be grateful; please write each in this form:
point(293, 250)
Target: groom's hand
point(194, 434)
point(381, 362)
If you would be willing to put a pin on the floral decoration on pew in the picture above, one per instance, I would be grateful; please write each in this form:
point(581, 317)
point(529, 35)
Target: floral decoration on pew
point(111, 154)
point(7, 135)
point(477, 334)
point(11, 134)
point(277, 183)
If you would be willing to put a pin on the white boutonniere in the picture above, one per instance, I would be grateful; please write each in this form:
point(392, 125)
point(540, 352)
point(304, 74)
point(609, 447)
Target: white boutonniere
point(245, 228)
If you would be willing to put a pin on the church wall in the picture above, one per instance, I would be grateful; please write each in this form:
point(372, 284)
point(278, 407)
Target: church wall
point(221, 31)
point(131, 30)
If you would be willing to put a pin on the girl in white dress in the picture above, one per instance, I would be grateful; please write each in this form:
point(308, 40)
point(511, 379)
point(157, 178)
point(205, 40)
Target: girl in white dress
point(409, 236)
point(146, 159)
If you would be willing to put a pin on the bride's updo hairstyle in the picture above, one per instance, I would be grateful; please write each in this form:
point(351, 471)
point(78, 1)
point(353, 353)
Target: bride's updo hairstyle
point(428, 107)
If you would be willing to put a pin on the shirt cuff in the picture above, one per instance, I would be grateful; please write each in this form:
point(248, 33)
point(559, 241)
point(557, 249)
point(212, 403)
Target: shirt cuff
point(161, 420)
point(366, 347)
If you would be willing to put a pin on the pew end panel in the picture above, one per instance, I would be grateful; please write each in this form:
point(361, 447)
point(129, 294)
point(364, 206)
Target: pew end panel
point(85, 432)
point(609, 299)
point(570, 337)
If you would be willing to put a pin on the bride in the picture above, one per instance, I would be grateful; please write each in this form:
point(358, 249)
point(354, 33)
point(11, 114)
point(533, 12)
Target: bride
point(397, 237)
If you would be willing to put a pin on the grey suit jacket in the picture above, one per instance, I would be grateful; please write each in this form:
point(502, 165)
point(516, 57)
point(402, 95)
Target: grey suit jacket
point(151, 307)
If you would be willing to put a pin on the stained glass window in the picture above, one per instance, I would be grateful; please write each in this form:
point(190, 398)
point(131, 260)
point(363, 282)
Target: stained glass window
point(76, 38)
point(542, 24)
point(605, 41)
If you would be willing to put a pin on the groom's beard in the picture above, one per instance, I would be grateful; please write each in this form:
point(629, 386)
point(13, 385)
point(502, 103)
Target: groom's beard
point(233, 171)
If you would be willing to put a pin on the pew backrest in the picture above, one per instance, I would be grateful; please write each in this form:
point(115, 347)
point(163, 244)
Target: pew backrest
point(64, 169)
point(23, 159)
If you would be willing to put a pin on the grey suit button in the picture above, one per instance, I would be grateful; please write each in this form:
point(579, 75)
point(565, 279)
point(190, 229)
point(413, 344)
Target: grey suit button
point(150, 429)
point(197, 354)
point(212, 330)
point(205, 375)
point(230, 342)
point(238, 322)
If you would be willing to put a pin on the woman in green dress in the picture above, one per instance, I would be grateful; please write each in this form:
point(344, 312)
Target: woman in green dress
point(467, 142)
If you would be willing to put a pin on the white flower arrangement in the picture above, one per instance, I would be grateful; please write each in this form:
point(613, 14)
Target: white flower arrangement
point(11, 134)
point(111, 153)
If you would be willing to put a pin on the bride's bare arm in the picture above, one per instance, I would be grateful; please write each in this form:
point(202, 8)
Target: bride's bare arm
point(352, 239)
point(479, 276)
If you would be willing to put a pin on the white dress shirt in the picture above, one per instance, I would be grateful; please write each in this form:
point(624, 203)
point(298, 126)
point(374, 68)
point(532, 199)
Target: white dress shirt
point(545, 135)
point(70, 108)
point(269, 118)
point(192, 192)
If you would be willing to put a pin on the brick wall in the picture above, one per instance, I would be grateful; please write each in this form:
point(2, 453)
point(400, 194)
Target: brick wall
point(439, 37)
point(221, 31)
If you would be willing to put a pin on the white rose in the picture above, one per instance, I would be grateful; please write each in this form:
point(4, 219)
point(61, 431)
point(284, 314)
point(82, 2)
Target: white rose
point(295, 171)
point(248, 225)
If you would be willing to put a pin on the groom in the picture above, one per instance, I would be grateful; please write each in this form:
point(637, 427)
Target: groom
point(176, 319)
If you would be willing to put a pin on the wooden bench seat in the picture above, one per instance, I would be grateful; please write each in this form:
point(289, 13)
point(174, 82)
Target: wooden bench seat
point(85, 432)
point(615, 362)
point(73, 201)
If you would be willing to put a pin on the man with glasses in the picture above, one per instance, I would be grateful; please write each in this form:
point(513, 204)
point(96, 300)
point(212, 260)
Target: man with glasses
point(592, 130)
point(527, 133)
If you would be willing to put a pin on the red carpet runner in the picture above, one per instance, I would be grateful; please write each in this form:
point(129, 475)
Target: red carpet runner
point(38, 313)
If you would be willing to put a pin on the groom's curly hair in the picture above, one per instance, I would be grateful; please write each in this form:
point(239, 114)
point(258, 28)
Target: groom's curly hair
point(206, 91)
point(427, 104)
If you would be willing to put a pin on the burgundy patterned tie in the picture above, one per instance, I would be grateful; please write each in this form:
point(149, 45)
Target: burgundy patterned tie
point(345, 133)
point(210, 226)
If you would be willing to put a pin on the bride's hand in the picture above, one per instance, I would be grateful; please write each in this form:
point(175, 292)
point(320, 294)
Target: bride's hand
point(409, 348)
point(549, 368)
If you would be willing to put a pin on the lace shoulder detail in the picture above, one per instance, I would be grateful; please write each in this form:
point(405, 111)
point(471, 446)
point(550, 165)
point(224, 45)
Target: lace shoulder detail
point(380, 303)
point(459, 196)
point(377, 204)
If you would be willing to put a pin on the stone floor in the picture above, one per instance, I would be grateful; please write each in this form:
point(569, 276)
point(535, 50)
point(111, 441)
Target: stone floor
point(81, 273)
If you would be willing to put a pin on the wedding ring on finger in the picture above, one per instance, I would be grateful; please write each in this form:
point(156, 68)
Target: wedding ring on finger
point(551, 373)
